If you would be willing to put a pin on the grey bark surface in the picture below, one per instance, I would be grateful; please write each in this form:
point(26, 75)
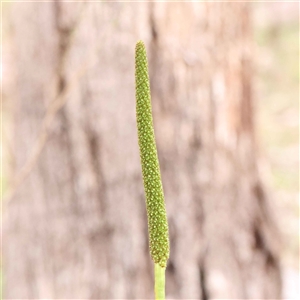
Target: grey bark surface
point(76, 226)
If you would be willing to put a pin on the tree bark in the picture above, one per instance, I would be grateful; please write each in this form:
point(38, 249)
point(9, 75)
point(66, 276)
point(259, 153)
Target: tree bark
point(76, 225)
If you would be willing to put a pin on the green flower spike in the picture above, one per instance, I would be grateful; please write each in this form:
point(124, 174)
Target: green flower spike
point(157, 218)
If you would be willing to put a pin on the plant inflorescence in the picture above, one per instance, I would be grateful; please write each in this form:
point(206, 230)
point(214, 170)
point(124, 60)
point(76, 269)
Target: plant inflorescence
point(155, 204)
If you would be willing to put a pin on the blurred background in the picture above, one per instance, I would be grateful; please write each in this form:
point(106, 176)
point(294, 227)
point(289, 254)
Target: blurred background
point(225, 95)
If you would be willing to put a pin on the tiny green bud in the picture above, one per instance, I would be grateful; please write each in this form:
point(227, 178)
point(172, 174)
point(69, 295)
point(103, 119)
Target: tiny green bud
point(155, 204)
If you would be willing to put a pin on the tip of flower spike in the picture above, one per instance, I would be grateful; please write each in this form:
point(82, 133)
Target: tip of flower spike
point(139, 44)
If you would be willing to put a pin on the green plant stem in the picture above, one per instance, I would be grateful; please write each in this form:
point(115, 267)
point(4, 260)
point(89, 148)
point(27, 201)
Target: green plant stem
point(159, 276)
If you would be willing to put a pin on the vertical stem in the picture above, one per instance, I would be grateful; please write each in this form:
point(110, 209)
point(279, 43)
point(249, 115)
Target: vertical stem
point(159, 276)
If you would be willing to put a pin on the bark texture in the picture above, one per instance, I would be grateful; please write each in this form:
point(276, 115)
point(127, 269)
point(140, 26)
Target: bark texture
point(76, 226)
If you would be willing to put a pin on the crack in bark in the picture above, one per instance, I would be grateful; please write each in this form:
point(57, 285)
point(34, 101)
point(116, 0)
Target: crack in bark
point(64, 34)
point(203, 285)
